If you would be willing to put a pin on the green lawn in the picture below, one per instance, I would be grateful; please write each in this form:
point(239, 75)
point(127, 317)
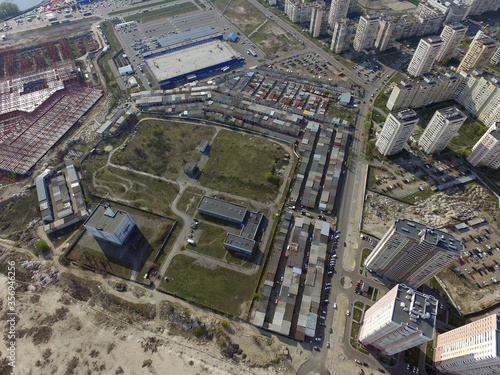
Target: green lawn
point(239, 164)
point(190, 200)
point(467, 136)
point(16, 216)
point(355, 329)
point(99, 261)
point(211, 240)
point(356, 315)
point(334, 110)
point(164, 12)
point(422, 195)
point(364, 254)
point(221, 289)
point(162, 147)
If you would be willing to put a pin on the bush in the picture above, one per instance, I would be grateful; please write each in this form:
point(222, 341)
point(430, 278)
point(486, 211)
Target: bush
point(10, 205)
point(224, 323)
point(41, 247)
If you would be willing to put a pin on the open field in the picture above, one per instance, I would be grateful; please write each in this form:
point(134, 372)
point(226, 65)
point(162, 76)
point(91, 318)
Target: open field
point(222, 289)
point(107, 28)
point(210, 241)
point(239, 163)
point(189, 201)
point(165, 12)
point(136, 190)
point(148, 5)
point(15, 217)
point(161, 147)
point(336, 110)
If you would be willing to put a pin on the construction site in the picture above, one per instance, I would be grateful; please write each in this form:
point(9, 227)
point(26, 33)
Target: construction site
point(41, 98)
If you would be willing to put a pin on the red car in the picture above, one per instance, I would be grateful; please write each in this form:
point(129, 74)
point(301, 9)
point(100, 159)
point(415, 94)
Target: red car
point(495, 261)
point(470, 274)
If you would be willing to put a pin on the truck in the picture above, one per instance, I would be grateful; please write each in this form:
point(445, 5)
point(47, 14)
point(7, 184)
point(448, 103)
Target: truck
point(340, 74)
point(251, 52)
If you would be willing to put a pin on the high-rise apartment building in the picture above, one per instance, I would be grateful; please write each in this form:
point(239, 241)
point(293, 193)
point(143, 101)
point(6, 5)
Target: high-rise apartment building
point(482, 6)
point(300, 11)
point(341, 37)
point(486, 152)
point(366, 32)
point(480, 51)
point(471, 349)
point(319, 21)
point(451, 35)
point(442, 127)
point(338, 10)
point(495, 58)
point(385, 35)
point(429, 18)
point(402, 319)
point(412, 252)
point(397, 129)
point(424, 56)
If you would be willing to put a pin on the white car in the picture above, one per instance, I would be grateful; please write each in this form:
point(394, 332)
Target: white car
point(348, 313)
point(335, 305)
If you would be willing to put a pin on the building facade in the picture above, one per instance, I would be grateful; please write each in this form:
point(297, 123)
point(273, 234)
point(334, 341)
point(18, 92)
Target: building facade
point(470, 349)
point(442, 127)
point(112, 226)
point(397, 129)
point(402, 319)
point(481, 6)
point(319, 21)
point(366, 32)
point(342, 33)
point(451, 35)
point(338, 11)
point(486, 152)
point(412, 253)
point(480, 51)
point(425, 55)
point(385, 35)
point(299, 11)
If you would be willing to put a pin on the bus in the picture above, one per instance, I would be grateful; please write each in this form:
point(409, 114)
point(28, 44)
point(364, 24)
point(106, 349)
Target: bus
point(340, 74)
point(226, 68)
point(87, 14)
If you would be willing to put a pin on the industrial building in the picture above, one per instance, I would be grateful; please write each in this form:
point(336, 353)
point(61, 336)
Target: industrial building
point(470, 349)
point(36, 110)
point(442, 127)
point(108, 225)
point(412, 253)
point(191, 61)
point(245, 243)
point(400, 320)
point(397, 129)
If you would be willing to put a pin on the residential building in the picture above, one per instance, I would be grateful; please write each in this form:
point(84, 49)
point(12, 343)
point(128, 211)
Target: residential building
point(397, 129)
point(401, 319)
point(451, 35)
point(455, 11)
point(366, 32)
point(424, 56)
point(353, 4)
point(319, 21)
point(495, 58)
point(112, 226)
point(481, 6)
point(480, 51)
point(486, 152)
point(385, 35)
point(342, 33)
point(442, 127)
point(338, 11)
point(300, 11)
point(429, 18)
point(470, 349)
point(412, 252)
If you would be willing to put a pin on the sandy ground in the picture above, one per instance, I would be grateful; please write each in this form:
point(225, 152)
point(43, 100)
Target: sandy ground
point(57, 334)
point(397, 6)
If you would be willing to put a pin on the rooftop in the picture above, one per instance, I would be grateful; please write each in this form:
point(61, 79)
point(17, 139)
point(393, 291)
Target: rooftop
point(232, 211)
point(405, 115)
point(451, 113)
point(103, 218)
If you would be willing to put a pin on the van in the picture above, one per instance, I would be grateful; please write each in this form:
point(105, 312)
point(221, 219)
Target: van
point(191, 241)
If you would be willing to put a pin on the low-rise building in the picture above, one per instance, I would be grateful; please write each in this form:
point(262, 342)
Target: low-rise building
point(108, 225)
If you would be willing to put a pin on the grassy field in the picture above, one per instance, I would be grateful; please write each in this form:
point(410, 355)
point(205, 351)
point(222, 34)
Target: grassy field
point(421, 195)
point(468, 134)
point(148, 193)
point(221, 4)
point(148, 5)
point(162, 13)
point(162, 147)
point(364, 255)
point(238, 165)
point(222, 289)
point(15, 217)
point(211, 241)
point(334, 110)
point(190, 200)
point(99, 261)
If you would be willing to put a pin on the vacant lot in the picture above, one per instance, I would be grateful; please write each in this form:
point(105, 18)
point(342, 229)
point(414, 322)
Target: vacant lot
point(222, 289)
point(14, 218)
point(150, 194)
point(162, 13)
point(190, 200)
point(210, 241)
point(161, 147)
point(239, 163)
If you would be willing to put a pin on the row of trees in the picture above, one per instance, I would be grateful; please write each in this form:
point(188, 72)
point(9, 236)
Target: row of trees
point(8, 10)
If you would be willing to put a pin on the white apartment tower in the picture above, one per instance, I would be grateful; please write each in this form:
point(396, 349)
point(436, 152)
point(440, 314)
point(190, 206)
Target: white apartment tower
point(397, 129)
point(385, 35)
point(442, 127)
point(470, 349)
point(482, 6)
point(341, 37)
point(402, 319)
point(486, 152)
point(425, 55)
point(451, 35)
point(319, 21)
point(480, 51)
point(412, 253)
point(366, 32)
point(338, 10)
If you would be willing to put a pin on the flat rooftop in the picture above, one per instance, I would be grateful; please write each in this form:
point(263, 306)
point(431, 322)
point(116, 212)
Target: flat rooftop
point(441, 239)
point(186, 36)
point(244, 244)
point(416, 309)
point(219, 207)
point(105, 219)
point(190, 59)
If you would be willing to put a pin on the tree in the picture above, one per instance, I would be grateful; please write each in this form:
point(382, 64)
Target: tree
point(8, 9)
